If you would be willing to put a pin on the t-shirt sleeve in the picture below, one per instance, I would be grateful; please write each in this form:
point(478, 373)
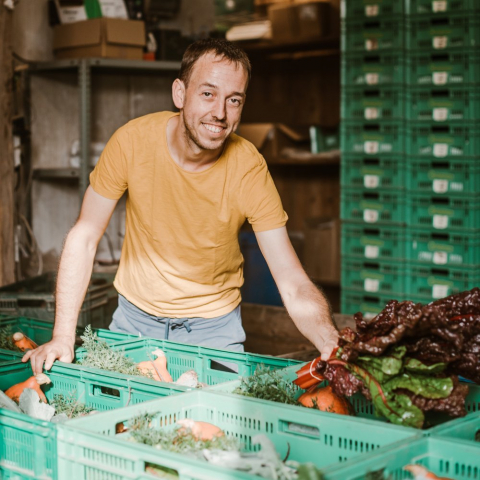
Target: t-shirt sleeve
point(262, 203)
point(109, 177)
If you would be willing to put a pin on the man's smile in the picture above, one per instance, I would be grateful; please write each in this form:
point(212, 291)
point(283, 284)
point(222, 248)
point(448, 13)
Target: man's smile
point(213, 128)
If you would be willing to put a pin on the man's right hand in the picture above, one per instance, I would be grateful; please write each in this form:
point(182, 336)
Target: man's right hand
point(57, 349)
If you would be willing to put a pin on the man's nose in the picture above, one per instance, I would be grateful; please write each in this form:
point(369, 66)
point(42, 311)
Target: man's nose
point(219, 110)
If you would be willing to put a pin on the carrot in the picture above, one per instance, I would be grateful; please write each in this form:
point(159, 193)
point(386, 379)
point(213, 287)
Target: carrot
point(23, 342)
point(156, 368)
point(326, 400)
point(201, 430)
point(33, 382)
point(420, 472)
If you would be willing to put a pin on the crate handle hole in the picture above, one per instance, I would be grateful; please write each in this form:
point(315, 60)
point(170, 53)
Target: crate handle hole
point(161, 471)
point(299, 429)
point(101, 390)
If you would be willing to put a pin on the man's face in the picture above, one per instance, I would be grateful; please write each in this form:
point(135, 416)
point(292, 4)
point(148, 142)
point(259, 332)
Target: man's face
point(213, 101)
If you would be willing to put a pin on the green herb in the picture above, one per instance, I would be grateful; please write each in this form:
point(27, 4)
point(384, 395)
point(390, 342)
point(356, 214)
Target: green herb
point(100, 355)
point(308, 471)
point(377, 475)
point(477, 436)
point(6, 341)
point(268, 385)
point(70, 406)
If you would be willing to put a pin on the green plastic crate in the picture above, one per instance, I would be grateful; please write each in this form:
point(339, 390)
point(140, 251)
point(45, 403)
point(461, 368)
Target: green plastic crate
point(363, 171)
point(465, 430)
point(209, 363)
point(373, 242)
point(443, 32)
point(439, 281)
point(40, 331)
point(441, 141)
point(28, 446)
point(373, 139)
point(443, 104)
point(369, 9)
point(442, 457)
point(443, 248)
point(309, 436)
point(367, 303)
point(451, 213)
point(443, 68)
point(9, 357)
point(373, 104)
point(374, 34)
point(373, 277)
point(373, 208)
point(373, 69)
point(439, 7)
point(34, 298)
point(444, 175)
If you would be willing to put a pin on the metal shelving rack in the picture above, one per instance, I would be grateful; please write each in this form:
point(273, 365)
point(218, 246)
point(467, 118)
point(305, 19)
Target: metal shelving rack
point(85, 68)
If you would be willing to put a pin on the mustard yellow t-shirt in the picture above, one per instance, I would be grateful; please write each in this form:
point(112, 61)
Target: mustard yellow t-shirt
point(180, 256)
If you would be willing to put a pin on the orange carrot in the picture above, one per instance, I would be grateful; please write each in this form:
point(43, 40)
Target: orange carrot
point(33, 382)
point(326, 400)
point(156, 368)
point(201, 430)
point(420, 472)
point(23, 342)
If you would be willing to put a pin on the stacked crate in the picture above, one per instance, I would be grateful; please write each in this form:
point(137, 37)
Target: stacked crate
point(373, 156)
point(443, 147)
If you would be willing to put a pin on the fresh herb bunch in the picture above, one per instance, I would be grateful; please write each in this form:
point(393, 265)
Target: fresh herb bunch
point(178, 440)
point(69, 405)
point(100, 355)
point(268, 385)
point(6, 341)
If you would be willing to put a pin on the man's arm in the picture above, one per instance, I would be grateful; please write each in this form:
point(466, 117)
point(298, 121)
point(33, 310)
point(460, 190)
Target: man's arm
point(74, 272)
point(304, 302)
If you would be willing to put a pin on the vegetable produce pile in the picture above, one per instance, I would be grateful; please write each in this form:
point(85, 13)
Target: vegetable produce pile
point(407, 359)
point(17, 341)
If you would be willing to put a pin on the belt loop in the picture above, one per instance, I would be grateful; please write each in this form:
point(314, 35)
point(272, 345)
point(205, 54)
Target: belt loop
point(167, 328)
point(187, 326)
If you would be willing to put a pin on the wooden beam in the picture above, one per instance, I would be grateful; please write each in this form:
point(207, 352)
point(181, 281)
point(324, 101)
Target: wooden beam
point(7, 259)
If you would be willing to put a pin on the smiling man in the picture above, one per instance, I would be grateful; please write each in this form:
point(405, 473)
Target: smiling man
point(191, 184)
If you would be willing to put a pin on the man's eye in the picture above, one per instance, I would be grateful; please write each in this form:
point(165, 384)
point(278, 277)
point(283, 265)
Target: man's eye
point(207, 94)
point(235, 101)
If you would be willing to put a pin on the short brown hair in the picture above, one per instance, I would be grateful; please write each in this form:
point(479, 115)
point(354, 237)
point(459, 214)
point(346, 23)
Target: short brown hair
point(220, 48)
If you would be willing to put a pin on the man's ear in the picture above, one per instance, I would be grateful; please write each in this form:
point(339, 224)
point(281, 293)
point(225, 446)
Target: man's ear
point(178, 93)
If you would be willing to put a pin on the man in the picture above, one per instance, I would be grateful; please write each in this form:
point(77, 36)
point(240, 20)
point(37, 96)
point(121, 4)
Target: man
point(191, 184)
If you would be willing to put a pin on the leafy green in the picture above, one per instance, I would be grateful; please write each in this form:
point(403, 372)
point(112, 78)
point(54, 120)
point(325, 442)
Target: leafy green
point(70, 406)
point(377, 475)
point(416, 366)
point(268, 385)
point(100, 355)
point(386, 366)
point(426, 386)
point(308, 471)
point(6, 341)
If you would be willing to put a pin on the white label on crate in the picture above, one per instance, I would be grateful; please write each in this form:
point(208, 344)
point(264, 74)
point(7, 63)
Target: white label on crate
point(439, 291)
point(371, 44)
point(440, 186)
point(440, 150)
point(440, 222)
point(371, 285)
point(371, 10)
point(370, 216)
point(440, 114)
point(371, 181)
point(371, 251)
point(440, 78)
point(440, 42)
point(371, 113)
point(439, 5)
point(370, 147)
point(371, 78)
point(440, 258)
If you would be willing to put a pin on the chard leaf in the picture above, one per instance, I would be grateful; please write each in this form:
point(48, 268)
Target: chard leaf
point(386, 366)
point(428, 387)
point(416, 366)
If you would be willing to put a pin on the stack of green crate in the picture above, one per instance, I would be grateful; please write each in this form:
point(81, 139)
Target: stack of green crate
point(443, 147)
point(373, 156)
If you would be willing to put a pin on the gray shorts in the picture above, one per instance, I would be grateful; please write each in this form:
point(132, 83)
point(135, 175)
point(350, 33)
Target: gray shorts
point(224, 332)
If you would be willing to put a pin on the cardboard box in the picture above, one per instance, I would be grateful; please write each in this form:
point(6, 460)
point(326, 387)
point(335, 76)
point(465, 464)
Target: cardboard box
point(322, 249)
point(71, 11)
point(100, 37)
point(271, 138)
point(299, 22)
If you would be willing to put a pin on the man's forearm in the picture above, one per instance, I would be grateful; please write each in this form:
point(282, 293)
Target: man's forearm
point(311, 312)
point(74, 272)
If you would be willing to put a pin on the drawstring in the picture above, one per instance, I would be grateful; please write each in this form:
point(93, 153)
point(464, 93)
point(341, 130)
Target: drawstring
point(174, 323)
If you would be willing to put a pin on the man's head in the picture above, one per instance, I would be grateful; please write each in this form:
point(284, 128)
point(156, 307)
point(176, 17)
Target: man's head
point(210, 91)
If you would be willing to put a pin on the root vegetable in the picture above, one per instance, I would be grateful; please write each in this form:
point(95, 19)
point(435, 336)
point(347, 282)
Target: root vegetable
point(156, 368)
point(33, 382)
point(23, 342)
point(325, 400)
point(201, 430)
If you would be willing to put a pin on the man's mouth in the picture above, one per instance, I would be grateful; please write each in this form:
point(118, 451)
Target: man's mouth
point(213, 128)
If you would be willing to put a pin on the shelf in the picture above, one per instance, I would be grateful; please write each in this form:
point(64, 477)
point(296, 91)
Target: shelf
point(105, 63)
point(299, 157)
point(321, 46)
point(56, 173)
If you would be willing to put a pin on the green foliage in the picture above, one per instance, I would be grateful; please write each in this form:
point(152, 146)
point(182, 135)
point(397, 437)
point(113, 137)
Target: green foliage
point(308, 471)
point(100, 355)
point(70, 406)
point(268, 385)
point(6, 341)
point(377, 475)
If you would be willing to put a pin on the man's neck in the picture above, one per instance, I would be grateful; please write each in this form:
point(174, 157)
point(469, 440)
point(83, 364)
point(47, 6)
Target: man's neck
point(184, 152)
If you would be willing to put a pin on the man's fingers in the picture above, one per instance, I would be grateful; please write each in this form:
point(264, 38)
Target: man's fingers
point(328, 346)
point(27, 355)
point(51, 357)
point(37, 362)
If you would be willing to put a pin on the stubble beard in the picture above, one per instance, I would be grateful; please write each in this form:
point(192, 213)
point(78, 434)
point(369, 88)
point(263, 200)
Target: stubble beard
point(192, 137)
